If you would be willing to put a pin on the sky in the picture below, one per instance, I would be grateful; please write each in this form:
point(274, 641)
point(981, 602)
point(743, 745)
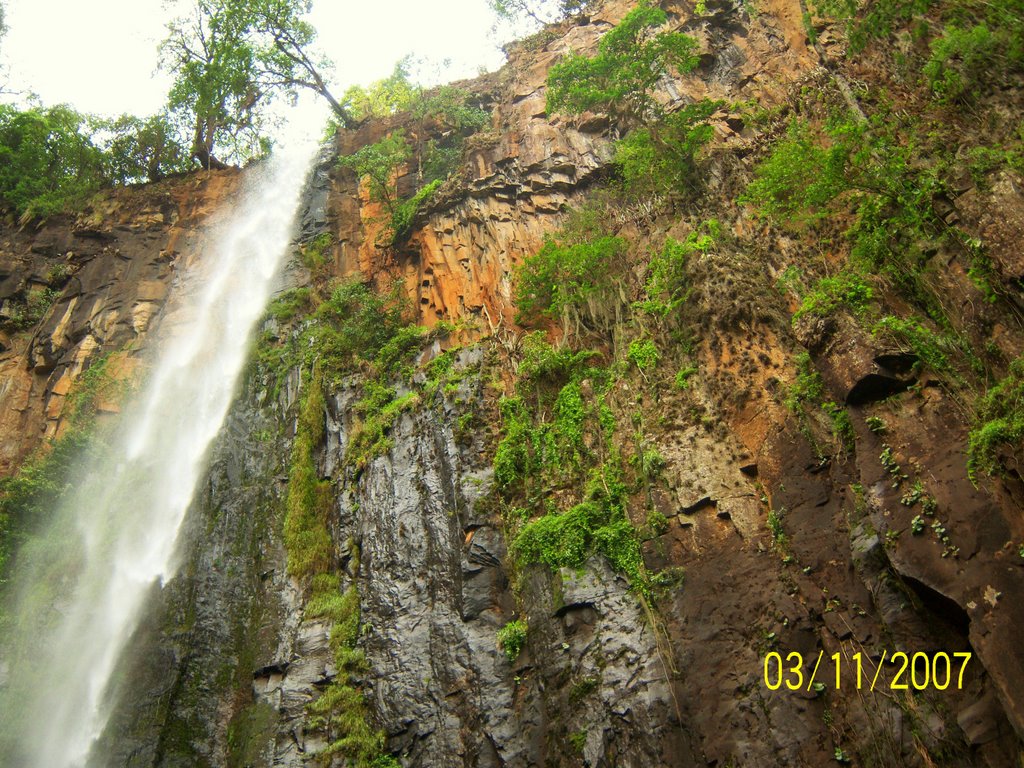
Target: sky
point(100, 56)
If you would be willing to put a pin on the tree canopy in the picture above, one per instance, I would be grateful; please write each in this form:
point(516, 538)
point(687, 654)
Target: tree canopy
point(620, 79)
point(537, 11)
point(230, 59)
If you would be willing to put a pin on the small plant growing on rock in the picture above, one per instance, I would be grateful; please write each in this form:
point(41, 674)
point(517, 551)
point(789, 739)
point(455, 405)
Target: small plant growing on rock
point(682, 380)
point(644, 354)
point(877, 425)
point(578, 740)
point(512, 638)
point(889, 463)
point(917, 525)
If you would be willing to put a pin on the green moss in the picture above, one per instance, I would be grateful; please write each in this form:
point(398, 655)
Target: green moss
point(250, 732)
point(309, 499)
point(583, 688)
point(378, 411)
point(578, 740)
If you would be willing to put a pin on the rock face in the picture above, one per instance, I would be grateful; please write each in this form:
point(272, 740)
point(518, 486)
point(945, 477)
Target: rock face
point(106, 276)
point(784, 545)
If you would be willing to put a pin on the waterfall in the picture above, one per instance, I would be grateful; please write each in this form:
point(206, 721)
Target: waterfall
point(119, 528)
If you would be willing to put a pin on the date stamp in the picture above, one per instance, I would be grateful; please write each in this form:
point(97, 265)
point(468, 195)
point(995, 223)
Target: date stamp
point(910, 671)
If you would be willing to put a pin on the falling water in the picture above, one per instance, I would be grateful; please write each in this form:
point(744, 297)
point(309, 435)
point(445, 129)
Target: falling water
point(129, 508)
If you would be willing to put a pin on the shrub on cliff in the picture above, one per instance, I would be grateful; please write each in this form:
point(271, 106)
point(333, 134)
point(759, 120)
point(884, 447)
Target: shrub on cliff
point(621, 78)
point(995, 441)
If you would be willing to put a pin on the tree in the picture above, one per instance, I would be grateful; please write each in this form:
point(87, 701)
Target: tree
point(230, 59)
point(620, 79)
point(293, 64)
point(48, 160)
point(386, 96)
point(658, 158)
point(142, 149)
point(537, 11)
point(378, 163)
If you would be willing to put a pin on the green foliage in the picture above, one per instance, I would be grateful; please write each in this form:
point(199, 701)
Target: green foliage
point(661, 157)
point(644, 354)
point(512, 638)
point(230, 59)
point(960, 60)
point(876, 425)
point(847, 289)
point(807, 388)
point(997, 435)
point(774, 522)
point(879, 21)
point(800, 178)
point(842, 426)
point(378, 411)
point(578, 740)
point(448, 115)
point(667, 286)
point(682, 379)
point(49, 161)
point(932, 350)
point(387, 96)
point(621, 78)
point(576, 282)
point(981, 42)
point(24, 312)
point(873, 170)
point(650, 464)
point(405, 212)
point(806, 393)
point(53, 159)
point(356, 323)
point(567, 539)
point(539, 12)
point(308, 501)
point(378, 163)
point(542, 362)
point(142, 149)
point(887, 458)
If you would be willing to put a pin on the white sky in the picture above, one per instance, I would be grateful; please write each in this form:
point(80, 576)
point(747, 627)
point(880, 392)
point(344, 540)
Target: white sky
point(100, 55)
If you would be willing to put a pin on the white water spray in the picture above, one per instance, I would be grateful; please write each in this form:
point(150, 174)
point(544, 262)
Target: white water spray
point(131, 507)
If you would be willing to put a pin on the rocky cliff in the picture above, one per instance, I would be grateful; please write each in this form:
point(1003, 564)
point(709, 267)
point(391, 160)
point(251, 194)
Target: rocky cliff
point(763, 521)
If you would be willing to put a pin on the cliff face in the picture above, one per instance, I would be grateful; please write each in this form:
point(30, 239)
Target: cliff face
point(785, 544)
point(97, 282)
